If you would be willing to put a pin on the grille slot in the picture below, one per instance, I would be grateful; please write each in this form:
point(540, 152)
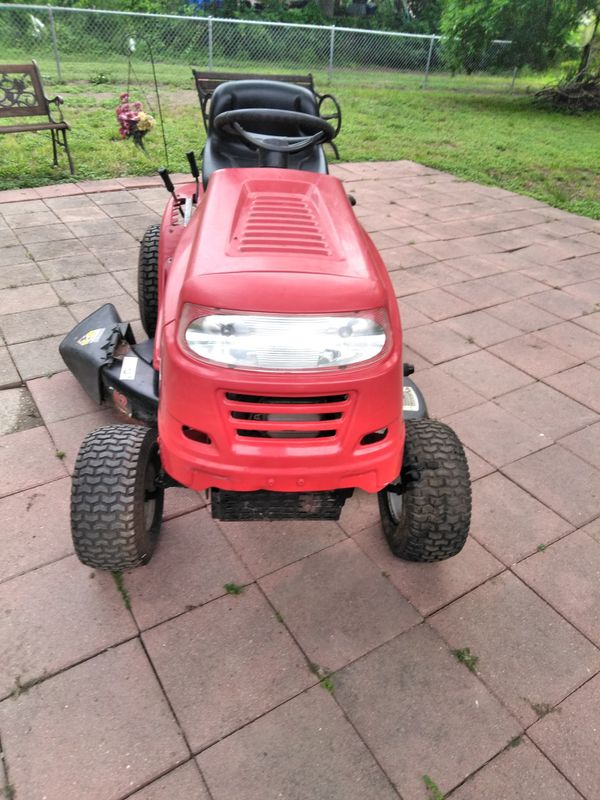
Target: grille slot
point(272, 401)
point(284, 417)
point(286, 434)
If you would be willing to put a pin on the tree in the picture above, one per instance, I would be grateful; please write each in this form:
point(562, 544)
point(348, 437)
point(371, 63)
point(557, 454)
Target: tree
point(538, 29)
point(580, 91)
point(426, 12)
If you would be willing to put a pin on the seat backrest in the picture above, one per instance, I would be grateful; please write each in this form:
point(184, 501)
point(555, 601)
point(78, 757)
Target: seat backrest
point(261, 94)
point(21, 91)
point(208, 81)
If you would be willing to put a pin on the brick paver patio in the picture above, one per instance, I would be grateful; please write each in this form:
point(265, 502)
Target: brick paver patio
point(187, 693)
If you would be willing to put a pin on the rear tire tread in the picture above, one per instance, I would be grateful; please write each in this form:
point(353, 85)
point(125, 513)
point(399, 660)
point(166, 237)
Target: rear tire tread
point(148, 279)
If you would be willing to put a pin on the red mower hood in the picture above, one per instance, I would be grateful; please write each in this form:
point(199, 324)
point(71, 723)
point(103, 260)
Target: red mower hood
point(276, 240)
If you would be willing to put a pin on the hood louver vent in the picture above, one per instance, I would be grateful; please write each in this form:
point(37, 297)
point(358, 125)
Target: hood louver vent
point(281, 225)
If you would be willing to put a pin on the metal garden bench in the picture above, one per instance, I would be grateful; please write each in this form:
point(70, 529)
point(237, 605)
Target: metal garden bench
point(22, 95)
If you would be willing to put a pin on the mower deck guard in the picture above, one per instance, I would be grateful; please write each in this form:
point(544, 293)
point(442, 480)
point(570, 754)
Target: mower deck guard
point(102, 354)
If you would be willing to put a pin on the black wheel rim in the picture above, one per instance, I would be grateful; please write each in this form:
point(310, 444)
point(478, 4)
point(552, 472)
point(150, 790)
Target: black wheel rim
point(396, 506)
point(151, 491)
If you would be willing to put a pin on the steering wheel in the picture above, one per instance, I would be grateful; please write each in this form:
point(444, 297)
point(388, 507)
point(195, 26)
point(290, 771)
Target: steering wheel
point(318, 129)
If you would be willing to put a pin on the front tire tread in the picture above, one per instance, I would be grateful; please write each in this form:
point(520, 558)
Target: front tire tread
point(107, 498)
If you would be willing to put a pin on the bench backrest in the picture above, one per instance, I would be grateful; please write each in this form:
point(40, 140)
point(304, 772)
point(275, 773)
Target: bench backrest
point(21, 91)
point(207, 82)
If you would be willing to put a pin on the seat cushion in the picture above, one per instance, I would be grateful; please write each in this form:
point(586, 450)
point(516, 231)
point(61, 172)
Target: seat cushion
point(215, 156)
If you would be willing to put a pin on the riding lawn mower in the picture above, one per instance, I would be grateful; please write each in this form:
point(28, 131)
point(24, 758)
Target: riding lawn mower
point(272, 377)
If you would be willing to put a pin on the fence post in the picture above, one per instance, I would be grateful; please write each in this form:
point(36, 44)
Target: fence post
point(210, 43)
point(514, 78)
point(55, 44)
point(428, 66)
point(331, 50)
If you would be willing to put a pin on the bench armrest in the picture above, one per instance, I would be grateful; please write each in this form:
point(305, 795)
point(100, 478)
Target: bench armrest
point(57, 101)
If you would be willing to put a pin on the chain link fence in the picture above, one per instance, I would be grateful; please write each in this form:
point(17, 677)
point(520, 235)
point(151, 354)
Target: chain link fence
point(76, 44)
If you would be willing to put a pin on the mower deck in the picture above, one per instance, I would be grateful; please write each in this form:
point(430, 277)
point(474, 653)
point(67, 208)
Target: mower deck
point(102, 353)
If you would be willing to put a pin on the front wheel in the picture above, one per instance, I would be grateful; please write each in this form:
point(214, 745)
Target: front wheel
point(116, 497)
point(427, 514)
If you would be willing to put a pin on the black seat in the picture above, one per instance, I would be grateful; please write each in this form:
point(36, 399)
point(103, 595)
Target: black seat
point(224, 150)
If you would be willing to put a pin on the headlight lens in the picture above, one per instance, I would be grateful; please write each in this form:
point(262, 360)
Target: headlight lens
point(284, 342)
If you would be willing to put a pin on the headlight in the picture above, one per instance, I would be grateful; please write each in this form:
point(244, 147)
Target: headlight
point(287, 342)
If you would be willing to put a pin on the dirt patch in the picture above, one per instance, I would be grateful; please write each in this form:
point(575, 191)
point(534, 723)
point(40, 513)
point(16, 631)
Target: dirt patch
point(100, 97)
point(17, 411)
point(180, 97)
point(168, 97)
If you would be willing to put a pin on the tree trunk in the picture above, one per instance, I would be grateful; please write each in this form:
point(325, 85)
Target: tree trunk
point(406, 9)
point(586, 54)
point(327, 7)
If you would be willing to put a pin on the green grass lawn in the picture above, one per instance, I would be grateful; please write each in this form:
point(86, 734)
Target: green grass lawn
point(492, 138)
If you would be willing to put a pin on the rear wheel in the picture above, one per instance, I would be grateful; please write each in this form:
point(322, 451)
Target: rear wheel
point(148, 279)
point(429, 518)
point(116, 501)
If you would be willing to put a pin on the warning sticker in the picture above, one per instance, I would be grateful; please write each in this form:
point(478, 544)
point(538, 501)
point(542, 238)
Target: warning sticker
point(410, 401)
point(128, 368)
point(91, 337)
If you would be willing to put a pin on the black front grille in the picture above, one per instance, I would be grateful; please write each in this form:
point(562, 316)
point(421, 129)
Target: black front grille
point(274, 417)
